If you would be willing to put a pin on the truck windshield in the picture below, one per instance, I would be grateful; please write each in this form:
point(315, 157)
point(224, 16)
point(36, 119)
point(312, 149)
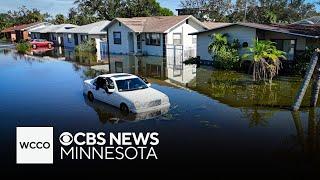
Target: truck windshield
point(130, 84)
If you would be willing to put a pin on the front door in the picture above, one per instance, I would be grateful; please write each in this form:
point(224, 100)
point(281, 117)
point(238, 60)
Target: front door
point(139, 43)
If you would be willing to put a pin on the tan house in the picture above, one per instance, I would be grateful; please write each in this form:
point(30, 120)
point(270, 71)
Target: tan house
point(21, 32)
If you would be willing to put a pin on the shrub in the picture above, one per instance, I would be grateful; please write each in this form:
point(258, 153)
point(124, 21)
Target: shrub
point(301, 62)
point(224, 54)
point(23, 47)
point(87, 46)
point(192, 60)
point(4, 39)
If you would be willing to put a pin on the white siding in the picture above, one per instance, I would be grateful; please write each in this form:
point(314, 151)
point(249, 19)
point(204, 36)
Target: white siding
point(185, 29)
point(243, 34)
point(152, 50)
point(122, 48)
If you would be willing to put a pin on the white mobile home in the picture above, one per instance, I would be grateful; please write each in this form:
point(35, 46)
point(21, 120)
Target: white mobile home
point(75, 36)
point(289, 39)
point(52, 33)
point(152, 35)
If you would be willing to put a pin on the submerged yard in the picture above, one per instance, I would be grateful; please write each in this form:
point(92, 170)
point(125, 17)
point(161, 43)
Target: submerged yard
point(218, 117)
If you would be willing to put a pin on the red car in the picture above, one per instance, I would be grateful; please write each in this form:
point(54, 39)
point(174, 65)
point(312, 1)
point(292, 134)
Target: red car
point(41, 43)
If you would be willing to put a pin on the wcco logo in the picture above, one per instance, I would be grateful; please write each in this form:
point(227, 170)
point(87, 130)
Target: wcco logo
point(34, 145)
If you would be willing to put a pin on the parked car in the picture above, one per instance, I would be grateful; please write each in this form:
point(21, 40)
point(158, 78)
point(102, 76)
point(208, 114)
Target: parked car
point(41, 43)
point(112, 115)
point(126, 91)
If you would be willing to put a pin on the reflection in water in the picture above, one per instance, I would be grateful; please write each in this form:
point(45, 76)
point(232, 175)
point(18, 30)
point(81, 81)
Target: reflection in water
point(146, 66)
point(307, 140)
point(238, 90)
point(257, 117)
point(112, 115)
point(213, 129)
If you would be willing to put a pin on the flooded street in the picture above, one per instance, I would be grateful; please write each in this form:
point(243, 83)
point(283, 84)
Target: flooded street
point(217, 119)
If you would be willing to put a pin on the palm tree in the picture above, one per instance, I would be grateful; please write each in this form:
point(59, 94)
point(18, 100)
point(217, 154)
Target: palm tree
point(265, 59)
point(305, 83)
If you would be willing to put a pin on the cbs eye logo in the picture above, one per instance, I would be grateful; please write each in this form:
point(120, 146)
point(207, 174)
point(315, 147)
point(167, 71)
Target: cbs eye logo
point(66, 138)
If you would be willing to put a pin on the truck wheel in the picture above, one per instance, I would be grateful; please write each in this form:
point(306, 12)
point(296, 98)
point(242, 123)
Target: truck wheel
point(34, 46)
point(124, 109)
point(90, 96)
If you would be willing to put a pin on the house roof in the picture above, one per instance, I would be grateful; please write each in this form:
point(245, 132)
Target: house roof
point(54, 28)
point(311, 30)
point(160, 24)
point(274, 28)
point(93, 28)
point(211, 25)
point(309, 21)
point(23, 27)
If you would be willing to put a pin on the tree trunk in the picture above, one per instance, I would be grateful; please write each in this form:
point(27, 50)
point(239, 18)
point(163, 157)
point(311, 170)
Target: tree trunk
point(304, 85)
point(312, 131)
point(299, 128)
point(315, 87)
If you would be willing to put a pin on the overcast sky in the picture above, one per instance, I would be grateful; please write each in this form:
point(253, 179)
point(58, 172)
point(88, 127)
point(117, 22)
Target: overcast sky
point(54, 7)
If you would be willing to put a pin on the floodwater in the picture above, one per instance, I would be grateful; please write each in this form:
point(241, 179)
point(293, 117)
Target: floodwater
point(218, 120)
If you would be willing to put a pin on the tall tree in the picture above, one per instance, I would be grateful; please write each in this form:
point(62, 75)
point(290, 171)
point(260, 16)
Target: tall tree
point(24, 15)
point(258, 11)
point(5, 21)
point(59, 19)
point(215, 10)
point(95, 10)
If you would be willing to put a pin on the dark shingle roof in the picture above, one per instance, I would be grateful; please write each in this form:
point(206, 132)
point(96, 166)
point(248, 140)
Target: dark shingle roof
point(293, 29)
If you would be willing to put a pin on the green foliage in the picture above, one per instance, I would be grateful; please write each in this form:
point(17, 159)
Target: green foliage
point(88, 11)
point(225, 55)
point(301, 63)
point(23, 47)
point(4, 39)
point(86, 46)
point(21, 16)
point(265, 59)
point(59, 19)
point(257, 11)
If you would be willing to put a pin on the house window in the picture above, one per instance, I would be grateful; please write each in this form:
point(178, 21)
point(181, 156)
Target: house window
point(286, 45)
point(119, 23)
point(153, 39)
point(194, 39)
point(177, 38)
point(69, 37)
point(116, 37)
point(83, 37)
point(187, 21)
